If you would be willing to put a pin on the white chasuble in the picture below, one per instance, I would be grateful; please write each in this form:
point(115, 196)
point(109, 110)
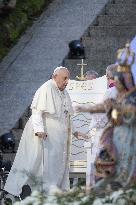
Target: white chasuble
point(44, 163)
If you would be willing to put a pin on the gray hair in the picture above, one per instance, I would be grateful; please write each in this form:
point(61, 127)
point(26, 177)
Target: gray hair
point(92, 72)
point(110, 70)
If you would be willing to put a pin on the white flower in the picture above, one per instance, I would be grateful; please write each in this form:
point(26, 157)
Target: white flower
point(115, 195)
point(121, 201)
point(107, 198)
point(97, 202)
point(109, 203)
point(54, 190)
point(17, 203)
point(73, 189)
point(27, 200)
point(36, 203)
point(85, 198)
point(129, 191)
point(131, 194)
point(75, 203)
point(81, 194)
point(35, 193)
point(51, 199)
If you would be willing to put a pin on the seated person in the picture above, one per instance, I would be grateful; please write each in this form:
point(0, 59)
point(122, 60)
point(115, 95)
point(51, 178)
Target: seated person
point(91, 74)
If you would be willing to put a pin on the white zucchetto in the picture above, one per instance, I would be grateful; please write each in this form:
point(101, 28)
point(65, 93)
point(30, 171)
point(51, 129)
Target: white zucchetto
point(58, 68)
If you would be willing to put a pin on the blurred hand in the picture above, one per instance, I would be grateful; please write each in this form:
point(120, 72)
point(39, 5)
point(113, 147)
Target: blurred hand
point(41, 135)
point(80, 108)
point(80, 135)
point(76, 108)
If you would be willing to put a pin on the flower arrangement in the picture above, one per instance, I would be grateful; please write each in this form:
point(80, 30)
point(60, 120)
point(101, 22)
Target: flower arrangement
point(78, 196)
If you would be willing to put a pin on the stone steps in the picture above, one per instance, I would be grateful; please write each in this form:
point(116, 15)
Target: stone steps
point(116, 31)
point(115, 20)
point(124, 1)
point(99, 43)
point(102, 51)
point(120, 9)
point(106, 55)
point(109, 32)
point(100, 65)
point(102, 54)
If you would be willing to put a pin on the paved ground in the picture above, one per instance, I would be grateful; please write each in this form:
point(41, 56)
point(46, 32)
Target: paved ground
point(39, 51)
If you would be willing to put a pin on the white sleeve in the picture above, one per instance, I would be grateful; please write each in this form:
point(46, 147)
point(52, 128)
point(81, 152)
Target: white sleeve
point(37, 121)
point(111, 93)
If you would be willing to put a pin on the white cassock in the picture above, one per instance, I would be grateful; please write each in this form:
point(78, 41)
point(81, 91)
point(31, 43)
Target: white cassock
point(45, 160)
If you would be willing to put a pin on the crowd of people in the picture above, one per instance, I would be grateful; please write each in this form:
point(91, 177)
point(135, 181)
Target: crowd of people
point(44, 148)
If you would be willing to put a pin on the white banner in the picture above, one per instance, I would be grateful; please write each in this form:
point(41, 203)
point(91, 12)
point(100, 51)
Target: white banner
point(84, 92)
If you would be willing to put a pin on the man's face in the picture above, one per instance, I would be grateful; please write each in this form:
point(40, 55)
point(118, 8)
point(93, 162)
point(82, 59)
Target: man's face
point(61, 78)
point(110, 80)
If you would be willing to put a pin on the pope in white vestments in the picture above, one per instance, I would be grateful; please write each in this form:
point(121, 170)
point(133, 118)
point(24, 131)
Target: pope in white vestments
point(43, 151)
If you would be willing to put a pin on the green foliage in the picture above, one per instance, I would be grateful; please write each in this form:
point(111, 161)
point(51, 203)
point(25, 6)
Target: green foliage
point(3, 52)
point(14, 24)
point(33, 6)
